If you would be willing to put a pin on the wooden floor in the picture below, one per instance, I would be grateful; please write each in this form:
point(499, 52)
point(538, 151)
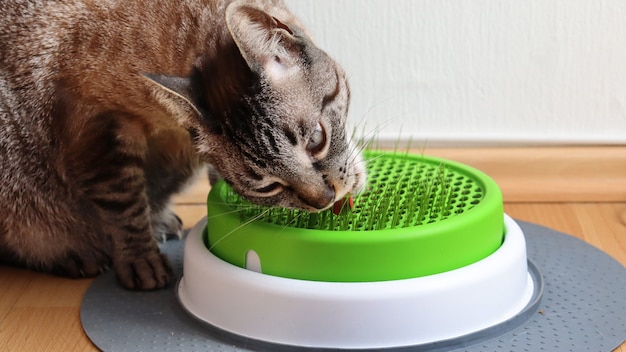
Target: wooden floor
point(576, 190)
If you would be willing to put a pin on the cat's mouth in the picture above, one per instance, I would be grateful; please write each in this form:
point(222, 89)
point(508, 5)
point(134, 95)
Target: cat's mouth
point(316, 201)
point(345, 200)
point(344, 204)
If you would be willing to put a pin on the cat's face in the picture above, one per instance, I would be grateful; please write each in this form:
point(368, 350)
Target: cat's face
point(279, 137)
point(289, 146)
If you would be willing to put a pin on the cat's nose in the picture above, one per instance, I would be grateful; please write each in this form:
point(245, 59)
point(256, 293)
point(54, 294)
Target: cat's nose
point(317, 198)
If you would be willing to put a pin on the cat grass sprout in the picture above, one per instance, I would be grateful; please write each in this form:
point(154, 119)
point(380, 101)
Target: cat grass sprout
point(403, 191)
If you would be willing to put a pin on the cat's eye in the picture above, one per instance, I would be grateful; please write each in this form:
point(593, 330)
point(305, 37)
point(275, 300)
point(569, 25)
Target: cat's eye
point(317, 142)
point(271, 189)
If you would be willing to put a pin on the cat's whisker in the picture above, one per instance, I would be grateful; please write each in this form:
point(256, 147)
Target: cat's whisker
point(293, 221)
point(374, 102)
point(358, 151)
point(249, 221)
point(372, 159)
point(239, 209)
point(366, 140)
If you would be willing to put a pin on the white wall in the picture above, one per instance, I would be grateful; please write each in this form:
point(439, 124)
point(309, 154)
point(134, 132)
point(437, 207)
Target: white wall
point(535, 71)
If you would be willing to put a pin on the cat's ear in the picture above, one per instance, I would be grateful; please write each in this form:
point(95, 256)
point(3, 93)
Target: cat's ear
point(174, 94)
point(266, 44)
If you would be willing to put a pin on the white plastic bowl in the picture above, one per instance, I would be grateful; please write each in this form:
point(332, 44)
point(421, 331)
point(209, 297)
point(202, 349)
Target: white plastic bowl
point(361, 315)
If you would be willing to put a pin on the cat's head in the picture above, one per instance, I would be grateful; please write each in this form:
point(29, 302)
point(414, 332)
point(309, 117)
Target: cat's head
point(269, 110)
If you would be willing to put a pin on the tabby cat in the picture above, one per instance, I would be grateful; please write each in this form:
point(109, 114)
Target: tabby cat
point(109, 107)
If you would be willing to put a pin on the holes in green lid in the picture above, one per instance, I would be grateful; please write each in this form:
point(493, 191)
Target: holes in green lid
point(402, 191)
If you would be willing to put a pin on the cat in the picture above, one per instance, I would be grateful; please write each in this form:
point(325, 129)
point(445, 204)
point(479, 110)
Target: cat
point(109, 107)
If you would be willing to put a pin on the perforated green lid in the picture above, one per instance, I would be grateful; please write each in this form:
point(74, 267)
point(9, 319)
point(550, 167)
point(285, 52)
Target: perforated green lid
point(418, 216)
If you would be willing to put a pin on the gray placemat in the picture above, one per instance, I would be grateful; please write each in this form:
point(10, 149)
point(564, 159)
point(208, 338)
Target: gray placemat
point(583, 307)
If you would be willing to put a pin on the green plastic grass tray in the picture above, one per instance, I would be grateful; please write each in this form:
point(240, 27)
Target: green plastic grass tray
point(418, 216)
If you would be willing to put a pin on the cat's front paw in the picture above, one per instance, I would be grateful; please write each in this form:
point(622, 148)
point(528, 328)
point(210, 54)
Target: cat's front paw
point(167, 225)
point(83, 263)
point(152, 271)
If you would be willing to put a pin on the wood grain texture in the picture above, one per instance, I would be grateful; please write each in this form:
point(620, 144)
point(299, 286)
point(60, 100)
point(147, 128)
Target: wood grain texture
point(41, 313)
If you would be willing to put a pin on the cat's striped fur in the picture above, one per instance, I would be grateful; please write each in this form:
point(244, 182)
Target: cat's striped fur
point(109, 107)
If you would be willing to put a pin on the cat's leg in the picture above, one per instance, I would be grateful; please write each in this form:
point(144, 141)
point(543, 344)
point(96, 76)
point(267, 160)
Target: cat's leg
point(137, 260)
point(44, 224)
point(86, 252)
point(45, 229)
point(170, 166)
point(111, 174)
